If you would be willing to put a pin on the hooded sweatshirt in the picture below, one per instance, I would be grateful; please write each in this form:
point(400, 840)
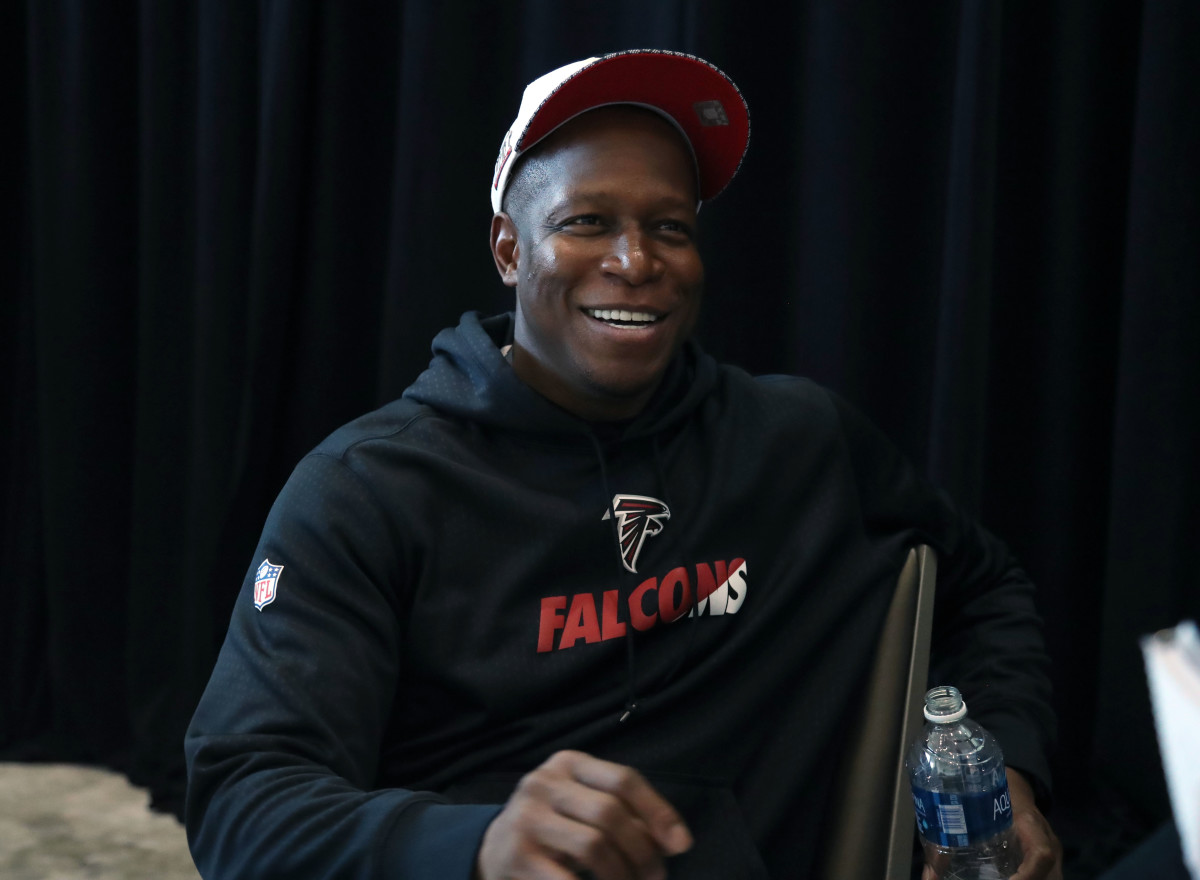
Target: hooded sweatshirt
point(452, 588)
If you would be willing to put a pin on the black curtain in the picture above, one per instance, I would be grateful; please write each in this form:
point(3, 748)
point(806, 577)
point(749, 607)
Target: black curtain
point(231, 228)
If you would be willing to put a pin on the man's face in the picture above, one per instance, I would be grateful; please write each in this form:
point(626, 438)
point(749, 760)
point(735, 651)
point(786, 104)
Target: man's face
point(604, 260)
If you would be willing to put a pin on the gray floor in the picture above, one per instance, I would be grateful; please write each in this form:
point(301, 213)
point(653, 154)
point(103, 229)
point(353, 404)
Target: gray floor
point(62, 822)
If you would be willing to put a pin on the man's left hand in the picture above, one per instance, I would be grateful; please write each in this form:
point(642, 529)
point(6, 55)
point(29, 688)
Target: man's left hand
point(1041, 852)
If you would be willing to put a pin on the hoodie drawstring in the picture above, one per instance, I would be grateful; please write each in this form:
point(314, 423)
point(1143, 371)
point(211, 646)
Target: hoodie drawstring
point(630, 678)
point(660, 472)
point(630, 659)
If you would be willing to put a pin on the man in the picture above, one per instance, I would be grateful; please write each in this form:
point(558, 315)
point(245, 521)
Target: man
point(584, 602)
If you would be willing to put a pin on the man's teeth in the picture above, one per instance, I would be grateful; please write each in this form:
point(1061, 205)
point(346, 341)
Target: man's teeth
point(622, 315)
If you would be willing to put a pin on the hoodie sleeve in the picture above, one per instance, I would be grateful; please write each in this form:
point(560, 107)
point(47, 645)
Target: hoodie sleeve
point(987, 633)
point(283, 749)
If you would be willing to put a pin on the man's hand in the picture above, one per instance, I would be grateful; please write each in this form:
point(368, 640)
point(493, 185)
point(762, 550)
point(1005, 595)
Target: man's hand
point(576, 813)
point(1041, 853)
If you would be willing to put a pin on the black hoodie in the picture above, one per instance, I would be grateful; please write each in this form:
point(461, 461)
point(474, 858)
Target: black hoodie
point(457, 585)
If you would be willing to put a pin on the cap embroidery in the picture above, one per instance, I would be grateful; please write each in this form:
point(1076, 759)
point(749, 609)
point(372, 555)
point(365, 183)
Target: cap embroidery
point(711, 113)
point(506, 150)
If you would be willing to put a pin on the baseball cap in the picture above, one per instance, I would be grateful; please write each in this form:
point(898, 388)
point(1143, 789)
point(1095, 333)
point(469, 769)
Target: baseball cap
point(700, 100)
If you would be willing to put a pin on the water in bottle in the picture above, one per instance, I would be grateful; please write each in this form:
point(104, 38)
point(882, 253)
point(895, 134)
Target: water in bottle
point(961, 793)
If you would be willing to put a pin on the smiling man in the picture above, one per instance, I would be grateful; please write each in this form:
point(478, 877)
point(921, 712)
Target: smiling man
point(585, 602)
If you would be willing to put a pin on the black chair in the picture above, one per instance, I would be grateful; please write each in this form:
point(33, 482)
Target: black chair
point(874, 826)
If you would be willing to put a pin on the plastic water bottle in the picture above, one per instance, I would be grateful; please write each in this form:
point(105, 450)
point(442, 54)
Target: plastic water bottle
point(961, 793)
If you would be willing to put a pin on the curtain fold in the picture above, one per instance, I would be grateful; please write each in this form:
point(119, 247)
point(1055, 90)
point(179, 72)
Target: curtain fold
point(962, 334)
point(83, 295)
point(1150, 578)
point(236, 226)
point(1062, 212)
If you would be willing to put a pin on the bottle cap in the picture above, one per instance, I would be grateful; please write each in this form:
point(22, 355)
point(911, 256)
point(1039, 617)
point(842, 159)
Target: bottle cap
point(944, 705)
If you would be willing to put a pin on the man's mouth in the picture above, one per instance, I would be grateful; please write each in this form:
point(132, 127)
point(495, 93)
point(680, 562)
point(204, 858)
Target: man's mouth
point(622, 318)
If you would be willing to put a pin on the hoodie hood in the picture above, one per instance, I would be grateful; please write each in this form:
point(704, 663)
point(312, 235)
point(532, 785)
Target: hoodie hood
point(469, 378)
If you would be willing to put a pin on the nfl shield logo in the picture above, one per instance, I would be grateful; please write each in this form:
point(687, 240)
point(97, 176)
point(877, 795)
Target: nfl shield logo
point(266, 583)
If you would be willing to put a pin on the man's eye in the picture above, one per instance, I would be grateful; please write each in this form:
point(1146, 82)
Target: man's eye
point(676, 226)
point(579, 223)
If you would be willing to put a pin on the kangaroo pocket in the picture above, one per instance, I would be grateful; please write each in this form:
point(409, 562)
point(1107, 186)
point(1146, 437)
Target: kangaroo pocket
point(723, 848)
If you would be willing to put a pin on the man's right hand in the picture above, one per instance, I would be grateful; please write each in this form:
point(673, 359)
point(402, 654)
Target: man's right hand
point(576, 814)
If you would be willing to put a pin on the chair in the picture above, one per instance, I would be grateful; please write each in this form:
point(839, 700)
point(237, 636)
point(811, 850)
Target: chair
point(873, 822)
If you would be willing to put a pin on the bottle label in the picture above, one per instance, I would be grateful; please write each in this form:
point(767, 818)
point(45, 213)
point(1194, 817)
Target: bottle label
point(962, 819)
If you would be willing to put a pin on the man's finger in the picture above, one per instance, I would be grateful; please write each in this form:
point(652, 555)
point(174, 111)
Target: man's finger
point(936, 862)
point(593, 823)
point(598, 853)
point(589, 816)
point(1041, 853)
point(663, 821)
point(531, 840)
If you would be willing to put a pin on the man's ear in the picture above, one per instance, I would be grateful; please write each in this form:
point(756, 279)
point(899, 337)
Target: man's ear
point(505, 249)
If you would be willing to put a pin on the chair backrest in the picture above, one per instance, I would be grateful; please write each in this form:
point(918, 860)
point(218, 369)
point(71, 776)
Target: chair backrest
point(873, 823)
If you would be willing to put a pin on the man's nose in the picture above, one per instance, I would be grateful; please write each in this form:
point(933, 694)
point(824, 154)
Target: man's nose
point(632, 258)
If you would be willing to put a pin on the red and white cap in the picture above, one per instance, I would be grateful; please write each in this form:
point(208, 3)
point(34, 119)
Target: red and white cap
point(700, 100)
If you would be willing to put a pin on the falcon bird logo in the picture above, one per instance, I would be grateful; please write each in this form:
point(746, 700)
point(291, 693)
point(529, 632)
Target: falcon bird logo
point(638, 517)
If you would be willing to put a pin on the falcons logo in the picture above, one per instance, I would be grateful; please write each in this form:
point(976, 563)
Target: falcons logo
point(638, 517)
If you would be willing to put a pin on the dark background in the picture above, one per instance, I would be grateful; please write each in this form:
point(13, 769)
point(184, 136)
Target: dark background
point(228, 228)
